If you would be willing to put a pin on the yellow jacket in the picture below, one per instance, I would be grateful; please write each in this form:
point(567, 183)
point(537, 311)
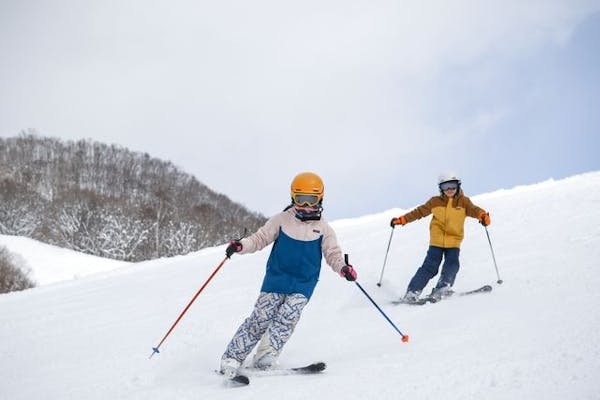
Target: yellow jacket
point(447, 225)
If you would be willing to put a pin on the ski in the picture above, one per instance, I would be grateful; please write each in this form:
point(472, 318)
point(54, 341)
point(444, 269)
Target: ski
point(313, 368)
point(417, 302)
point(242, 378)
point(430, 299)
point(239, 380)
point(483, 289)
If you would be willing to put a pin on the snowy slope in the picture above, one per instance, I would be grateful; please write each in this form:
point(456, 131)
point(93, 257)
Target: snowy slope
point(50, 264)
point(536, 336)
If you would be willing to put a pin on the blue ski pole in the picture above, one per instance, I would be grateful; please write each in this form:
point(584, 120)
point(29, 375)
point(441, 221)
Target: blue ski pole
point(405, 338)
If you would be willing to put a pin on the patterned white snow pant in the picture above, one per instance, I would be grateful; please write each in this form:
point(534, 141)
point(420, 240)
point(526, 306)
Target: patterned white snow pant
point(273, 319)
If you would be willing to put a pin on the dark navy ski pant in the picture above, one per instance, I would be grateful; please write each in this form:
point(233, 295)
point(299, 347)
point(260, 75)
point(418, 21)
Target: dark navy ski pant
point(430, 267)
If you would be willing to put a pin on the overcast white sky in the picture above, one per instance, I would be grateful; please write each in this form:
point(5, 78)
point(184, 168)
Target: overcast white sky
point(377, 97)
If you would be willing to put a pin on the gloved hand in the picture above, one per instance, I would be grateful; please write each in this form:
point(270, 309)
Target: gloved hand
point(484, 218)
point(398, 221)
point(348, 272)
point(234, 247)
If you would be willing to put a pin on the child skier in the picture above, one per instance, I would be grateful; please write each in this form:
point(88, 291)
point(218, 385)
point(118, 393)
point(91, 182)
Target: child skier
point(300, 238)
point(446, 229)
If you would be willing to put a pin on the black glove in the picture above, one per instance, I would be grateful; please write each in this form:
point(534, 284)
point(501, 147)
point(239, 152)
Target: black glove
point(234, 247)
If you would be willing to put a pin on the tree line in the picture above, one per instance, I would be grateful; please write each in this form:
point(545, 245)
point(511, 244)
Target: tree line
point(108, 201)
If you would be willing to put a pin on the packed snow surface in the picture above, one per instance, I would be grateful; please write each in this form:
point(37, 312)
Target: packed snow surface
point(536, 336)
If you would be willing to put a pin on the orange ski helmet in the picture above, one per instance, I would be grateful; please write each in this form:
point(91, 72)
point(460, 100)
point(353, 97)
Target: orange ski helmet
point(307, 183)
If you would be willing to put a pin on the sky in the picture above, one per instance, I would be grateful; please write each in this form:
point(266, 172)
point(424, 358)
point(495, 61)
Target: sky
point(377, 97)
point(535, 336)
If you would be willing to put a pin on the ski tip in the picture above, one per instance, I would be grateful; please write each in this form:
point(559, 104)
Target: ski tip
point(318, 366)
point(405, 338)
point(311, 368)
point(241, 380)
point(234, 381)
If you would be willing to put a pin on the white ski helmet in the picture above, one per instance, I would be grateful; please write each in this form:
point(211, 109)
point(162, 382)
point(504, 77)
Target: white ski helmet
point(448, 177)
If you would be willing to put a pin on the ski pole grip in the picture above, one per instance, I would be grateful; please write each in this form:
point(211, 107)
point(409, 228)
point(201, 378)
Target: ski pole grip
point(346, 258)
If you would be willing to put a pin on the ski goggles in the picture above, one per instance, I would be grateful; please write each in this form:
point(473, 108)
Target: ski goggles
point(302, 199)
point(448, 186)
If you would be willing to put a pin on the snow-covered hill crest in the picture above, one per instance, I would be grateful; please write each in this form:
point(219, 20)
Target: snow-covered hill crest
point(535, 336)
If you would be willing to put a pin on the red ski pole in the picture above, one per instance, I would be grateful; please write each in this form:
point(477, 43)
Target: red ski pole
point(155, 349)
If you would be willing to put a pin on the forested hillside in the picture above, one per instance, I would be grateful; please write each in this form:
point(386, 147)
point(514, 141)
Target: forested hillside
point(108, 201)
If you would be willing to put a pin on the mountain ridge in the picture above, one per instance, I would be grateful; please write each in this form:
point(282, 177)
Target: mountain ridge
point(108, 201)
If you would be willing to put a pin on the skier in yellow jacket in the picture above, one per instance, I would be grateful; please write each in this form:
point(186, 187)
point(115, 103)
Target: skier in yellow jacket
point(449, 210)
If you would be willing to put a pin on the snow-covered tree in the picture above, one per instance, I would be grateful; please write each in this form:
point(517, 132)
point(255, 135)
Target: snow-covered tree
point(62, 193)
point(14, 274)
point(119, 237)
point(179, 238)
point(20, 210)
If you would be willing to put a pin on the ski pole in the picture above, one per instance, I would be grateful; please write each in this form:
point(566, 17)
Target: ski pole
point(405, 338)
point(493, 256)
point(385, 259)
point(155, 350)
